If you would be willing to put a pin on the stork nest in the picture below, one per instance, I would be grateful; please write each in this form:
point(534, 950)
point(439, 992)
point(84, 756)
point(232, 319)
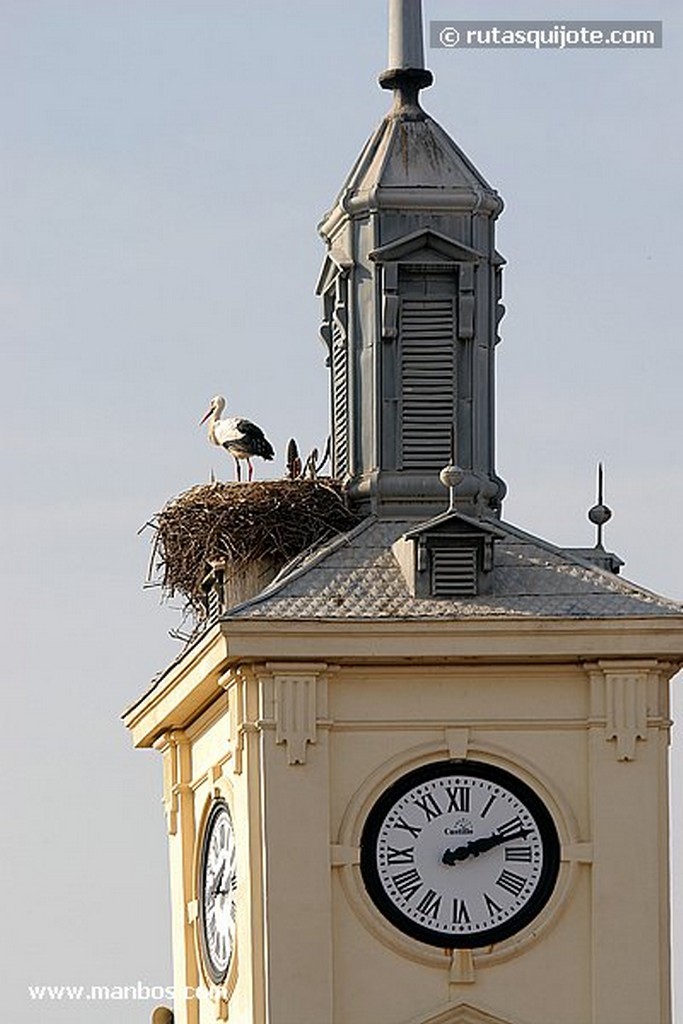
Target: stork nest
point(238, 524)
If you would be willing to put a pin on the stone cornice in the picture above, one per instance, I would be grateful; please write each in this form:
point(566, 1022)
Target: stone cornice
point(182, 691)
point(191, 683)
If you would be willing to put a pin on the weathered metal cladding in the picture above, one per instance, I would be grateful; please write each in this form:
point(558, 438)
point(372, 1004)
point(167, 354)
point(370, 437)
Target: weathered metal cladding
point(415, 224)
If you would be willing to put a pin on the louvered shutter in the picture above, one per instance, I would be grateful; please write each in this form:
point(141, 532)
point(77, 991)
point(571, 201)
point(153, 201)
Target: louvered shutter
point(454, 572)
point(340, 400)
point(427, 340)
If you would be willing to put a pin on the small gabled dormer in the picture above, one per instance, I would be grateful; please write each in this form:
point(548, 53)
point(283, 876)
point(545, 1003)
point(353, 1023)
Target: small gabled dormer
point(449, 556)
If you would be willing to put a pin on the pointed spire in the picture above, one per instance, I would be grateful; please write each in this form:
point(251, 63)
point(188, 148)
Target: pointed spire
point(406, 47)
point(406, 73)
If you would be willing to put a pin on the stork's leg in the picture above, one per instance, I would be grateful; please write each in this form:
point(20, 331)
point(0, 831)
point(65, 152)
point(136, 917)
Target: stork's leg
point(238, 469)
point(251, 469)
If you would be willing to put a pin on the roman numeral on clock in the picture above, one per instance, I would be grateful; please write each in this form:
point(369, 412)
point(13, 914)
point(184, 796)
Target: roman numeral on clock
point(413, 829)
point(511, 827)
point(460, 912)
point(430, 904)
point(491, 905)
point(487, 806)
point(511, 882)
point(429, 805)
point(403, 856)
point(407, 882)
point(518, 853)
point(458, 799)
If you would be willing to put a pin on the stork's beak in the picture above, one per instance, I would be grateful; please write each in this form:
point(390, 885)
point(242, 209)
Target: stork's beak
point(205, 416)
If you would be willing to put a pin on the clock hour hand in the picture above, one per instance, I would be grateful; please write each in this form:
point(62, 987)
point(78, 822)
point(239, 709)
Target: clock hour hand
point(477, 846)
point(215, 888)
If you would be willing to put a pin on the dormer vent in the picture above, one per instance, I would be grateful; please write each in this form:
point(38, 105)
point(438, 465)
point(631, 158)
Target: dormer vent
point(454, 571)
point(450, 556)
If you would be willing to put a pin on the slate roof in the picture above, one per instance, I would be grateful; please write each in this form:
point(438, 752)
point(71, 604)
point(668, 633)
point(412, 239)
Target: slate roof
point(356, 576)
point(416, 153)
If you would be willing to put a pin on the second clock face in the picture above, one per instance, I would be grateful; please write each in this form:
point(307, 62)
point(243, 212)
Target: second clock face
point(459, 854)
point(217, 891)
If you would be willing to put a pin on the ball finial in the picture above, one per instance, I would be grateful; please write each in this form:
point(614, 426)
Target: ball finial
point(600, 514)
point(451, 476)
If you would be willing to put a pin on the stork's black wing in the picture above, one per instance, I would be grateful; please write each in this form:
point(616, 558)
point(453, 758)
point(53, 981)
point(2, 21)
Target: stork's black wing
point(254, 440)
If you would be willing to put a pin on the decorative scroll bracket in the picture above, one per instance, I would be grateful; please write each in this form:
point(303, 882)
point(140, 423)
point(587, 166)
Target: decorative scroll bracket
point(235, 683)
point(170, 746)
point(299, 704)
point(626, 711)
point(170, 783)
point(626, 695)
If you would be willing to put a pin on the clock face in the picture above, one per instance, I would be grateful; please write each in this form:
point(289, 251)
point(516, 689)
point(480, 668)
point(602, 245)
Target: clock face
point(217, 891)
point(459, 854)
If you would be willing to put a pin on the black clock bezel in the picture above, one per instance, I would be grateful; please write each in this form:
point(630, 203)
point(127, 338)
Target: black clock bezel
point(218, 806)
point(479, 769)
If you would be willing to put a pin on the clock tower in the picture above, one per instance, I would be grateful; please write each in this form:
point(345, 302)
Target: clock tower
point(421, 777)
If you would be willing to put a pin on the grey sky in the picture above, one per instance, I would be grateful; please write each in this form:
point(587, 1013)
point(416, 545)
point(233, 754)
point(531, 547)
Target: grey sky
point(164, 167)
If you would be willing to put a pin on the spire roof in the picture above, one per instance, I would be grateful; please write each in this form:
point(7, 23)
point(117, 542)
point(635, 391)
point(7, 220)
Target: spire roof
point(417, 154)
point(409, 150)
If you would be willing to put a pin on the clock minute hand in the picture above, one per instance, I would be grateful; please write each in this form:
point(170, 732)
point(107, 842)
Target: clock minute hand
point(477, 846)
point(232, 884)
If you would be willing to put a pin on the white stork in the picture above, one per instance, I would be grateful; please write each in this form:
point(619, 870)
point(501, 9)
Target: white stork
point(242, 438)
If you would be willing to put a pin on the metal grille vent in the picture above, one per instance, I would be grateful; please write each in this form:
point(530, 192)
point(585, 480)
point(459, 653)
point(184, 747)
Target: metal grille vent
point(340, 401)
point(427, 332)
point(214, 594)
point(213, 603)
point(454, 572)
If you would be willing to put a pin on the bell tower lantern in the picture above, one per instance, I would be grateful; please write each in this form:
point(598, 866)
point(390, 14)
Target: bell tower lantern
point(411, 289)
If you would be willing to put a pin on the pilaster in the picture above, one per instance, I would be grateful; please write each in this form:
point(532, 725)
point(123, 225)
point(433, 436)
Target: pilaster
point(179, 806)
point(629, 823)
point(295, 795)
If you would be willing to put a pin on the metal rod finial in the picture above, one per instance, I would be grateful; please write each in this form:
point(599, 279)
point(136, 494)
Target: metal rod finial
point(406, 73)
point(600, 513)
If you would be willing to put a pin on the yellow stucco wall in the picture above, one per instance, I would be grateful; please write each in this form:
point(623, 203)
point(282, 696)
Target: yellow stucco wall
point(302, 748)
